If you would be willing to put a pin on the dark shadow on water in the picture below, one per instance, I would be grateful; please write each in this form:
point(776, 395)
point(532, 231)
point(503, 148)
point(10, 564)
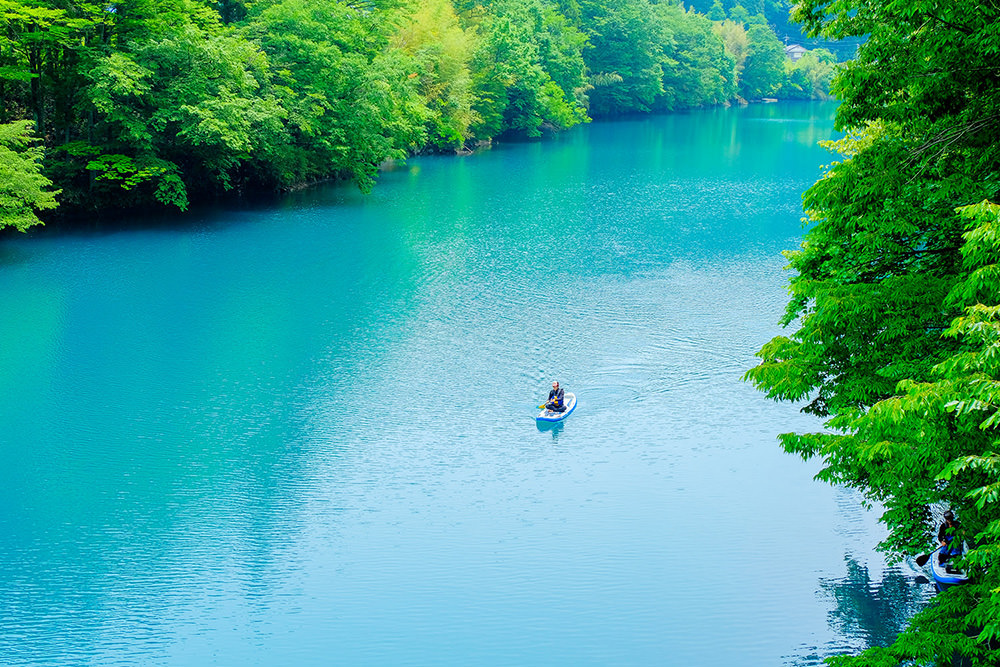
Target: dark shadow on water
point(219, 213)
point(866, 613)
point(874, 612)
point(555, 428)
point(13, 256)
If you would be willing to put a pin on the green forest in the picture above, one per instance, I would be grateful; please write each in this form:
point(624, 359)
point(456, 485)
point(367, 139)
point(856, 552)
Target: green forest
point(895, 301)
point(139, 103)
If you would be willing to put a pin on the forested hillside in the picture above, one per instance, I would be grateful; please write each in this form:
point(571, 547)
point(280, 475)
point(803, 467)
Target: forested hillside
point(160, 102)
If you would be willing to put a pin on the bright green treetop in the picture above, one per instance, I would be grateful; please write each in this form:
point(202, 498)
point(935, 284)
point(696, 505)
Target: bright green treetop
point(23, 189)
point(764, 66)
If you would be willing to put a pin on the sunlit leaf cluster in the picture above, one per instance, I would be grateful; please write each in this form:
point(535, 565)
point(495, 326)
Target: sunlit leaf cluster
point(23, 189)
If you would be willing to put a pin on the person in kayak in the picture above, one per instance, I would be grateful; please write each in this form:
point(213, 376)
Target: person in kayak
point(557, 398)
point(948, 538)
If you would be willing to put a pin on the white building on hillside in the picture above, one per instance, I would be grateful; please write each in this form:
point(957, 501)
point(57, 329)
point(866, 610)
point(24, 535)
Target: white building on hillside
point(795, 51)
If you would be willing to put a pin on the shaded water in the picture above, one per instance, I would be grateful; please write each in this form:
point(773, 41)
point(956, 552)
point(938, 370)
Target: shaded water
point(304, 434)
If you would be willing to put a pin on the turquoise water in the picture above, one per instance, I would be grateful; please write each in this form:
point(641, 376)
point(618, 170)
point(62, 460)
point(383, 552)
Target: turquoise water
point(303, 433)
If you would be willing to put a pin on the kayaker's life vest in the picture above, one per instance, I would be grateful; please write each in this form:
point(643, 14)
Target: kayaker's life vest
point(556, 397)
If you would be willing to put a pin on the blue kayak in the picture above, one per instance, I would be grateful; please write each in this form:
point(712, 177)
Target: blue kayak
point(552, 416)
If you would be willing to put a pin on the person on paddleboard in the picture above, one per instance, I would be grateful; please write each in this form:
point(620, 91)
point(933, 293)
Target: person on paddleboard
point(948, 538)
point(557, 399)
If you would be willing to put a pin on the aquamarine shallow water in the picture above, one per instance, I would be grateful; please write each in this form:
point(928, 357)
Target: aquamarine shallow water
point(303, 434)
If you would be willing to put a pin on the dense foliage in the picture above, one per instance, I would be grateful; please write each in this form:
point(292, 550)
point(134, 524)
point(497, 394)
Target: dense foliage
point(23, 190)
point(896, 300)
point(136, 102)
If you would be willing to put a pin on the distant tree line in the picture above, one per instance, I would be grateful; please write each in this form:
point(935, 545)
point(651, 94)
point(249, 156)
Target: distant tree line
point(127, 103)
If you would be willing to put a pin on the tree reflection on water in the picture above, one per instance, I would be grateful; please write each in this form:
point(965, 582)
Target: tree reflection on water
point(874, 613)
point(867, 613)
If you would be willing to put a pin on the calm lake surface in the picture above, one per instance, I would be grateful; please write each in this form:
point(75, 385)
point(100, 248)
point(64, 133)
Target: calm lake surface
point(304, 434)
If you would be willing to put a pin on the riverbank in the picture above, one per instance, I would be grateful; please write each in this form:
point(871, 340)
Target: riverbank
point(67, 219)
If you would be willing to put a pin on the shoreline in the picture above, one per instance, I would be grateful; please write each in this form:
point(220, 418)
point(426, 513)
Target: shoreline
point(156, 216)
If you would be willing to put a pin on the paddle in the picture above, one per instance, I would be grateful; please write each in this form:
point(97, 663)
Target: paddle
point(923, 558)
